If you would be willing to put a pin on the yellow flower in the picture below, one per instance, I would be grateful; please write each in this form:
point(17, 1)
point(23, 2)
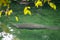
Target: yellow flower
point(0, 13)
point(38, 3)
point(26, 11)
point(17, 19)
point(52, 5)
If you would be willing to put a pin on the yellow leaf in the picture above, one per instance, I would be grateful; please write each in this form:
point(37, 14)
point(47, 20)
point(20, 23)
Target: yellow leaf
point(5, 4)
point(45, 1)
point(8, 12)
point(0, 13)
point(27, 11)
point(17, 19)
point(52, 5)
point(38, 3)
point(8, 6)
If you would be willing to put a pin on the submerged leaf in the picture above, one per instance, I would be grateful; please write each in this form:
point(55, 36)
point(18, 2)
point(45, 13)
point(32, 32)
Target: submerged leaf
point(5, 28)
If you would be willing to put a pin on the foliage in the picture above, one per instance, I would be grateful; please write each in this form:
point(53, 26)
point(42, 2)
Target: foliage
point(26, 11)
point(25, 35)
point(8, 11)
point(4, 2)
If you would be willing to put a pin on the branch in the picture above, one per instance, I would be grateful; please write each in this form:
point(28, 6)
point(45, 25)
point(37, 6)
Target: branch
point(35, 26)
